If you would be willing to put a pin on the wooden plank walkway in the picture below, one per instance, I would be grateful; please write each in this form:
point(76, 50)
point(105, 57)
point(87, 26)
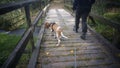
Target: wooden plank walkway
point(73, 52)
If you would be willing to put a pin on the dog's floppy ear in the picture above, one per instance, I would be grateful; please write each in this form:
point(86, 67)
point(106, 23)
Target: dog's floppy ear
point(47, 25)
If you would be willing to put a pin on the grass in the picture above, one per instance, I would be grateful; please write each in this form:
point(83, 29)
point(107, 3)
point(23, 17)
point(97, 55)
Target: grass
point(113, 16)
point(7, 44)
point(24, 60)
point(105, 30)
point(40, 22)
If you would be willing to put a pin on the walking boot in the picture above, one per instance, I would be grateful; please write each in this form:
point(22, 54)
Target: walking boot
point(75, 29)
point(83, 36)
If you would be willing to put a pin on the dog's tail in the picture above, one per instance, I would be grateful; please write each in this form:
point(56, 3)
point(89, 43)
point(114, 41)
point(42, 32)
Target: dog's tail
point(63, 35)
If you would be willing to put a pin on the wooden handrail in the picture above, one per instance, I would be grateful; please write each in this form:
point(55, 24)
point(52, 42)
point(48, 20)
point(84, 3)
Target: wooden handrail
point(5, 8)
point(14, 57)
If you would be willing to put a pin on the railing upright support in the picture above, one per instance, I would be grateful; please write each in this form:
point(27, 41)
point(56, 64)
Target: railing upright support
point(27, 12)
point(40, 5)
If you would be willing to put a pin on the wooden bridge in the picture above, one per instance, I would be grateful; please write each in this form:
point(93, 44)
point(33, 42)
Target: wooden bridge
point(94, 52)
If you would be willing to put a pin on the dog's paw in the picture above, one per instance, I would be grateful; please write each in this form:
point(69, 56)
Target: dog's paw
point(57, 44)
point(66, 38)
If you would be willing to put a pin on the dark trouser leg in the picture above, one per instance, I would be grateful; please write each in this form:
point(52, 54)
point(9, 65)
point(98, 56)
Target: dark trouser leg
point(77, 20)
point(84, 22)
point(84, 26)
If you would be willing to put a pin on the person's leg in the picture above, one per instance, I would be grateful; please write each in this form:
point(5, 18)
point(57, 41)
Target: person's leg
point(77, 20)
point(84, 24)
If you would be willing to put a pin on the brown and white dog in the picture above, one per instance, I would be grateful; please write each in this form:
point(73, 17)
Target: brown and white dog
point(58, 31)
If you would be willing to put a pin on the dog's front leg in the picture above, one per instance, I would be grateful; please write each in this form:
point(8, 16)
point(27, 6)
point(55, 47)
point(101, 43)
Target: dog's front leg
point(58, 38)
point(63, 35)
point(52, 33)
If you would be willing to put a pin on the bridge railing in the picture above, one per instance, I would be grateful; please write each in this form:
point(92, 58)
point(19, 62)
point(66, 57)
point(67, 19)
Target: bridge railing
point(27, 37)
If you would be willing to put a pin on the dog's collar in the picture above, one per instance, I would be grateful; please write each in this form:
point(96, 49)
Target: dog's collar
point(52, 24)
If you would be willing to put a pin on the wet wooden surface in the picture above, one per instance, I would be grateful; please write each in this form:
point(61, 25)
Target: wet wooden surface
point(88, 53)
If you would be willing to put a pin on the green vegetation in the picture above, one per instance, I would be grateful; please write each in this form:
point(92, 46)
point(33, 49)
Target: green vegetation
point(108, 11)
point(17, 18)
point(113, 16)
point(7, 44)
point(102, 29)
point(12, 20)
point(40, 22)
point(24, 60)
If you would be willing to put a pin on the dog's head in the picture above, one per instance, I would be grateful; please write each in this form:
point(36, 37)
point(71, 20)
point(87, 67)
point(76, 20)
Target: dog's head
point(47, 25)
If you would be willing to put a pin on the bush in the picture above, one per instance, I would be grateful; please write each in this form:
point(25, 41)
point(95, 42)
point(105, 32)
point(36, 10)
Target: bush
point(113, 16)
point(12, 20)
